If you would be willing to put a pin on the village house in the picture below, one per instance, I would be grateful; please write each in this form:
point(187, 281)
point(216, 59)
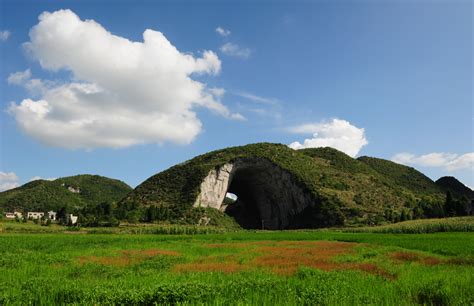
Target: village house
point(34, 215)
point(52, 215)
point(13, 215)
point(71, 219)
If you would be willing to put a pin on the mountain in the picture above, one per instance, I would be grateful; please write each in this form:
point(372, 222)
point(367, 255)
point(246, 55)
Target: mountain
point(74, 192)
point(457, 189)
point(278, 187)
point(401, 176)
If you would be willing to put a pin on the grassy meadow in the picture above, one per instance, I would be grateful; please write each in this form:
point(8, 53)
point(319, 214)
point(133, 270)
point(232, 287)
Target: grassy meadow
point(247, 267)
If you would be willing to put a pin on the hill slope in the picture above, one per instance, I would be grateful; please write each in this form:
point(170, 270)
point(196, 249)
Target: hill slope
point(401, 176)
point(457, 189)
point(332, 181)
point(73, 192)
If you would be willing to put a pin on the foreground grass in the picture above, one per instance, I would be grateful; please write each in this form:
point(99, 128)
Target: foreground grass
point(142, 228)
point(455, 224)
point(269, 268)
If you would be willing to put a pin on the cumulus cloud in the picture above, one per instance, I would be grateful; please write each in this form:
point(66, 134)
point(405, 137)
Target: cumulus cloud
point(337, 133)
point(8, 180)
point(4, 35)
point(35, 178)
point(34, 86)
point(449, 161)
point(121, 92)
point(235, 50)
point(222, 32)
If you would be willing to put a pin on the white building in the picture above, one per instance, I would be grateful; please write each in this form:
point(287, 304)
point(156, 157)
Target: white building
point(71, 219)
point(13, 215)
point(35, 215)
point(52, 215)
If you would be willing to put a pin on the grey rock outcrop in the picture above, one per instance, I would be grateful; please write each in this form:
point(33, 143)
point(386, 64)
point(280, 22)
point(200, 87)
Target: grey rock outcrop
point(268, 196)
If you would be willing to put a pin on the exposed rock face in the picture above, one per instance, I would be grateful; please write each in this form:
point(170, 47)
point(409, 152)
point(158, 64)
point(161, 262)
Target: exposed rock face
point(214, 187)
point(268, 196)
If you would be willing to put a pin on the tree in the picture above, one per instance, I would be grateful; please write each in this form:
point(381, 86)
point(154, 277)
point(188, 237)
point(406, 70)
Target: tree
point(461, 206)
point(450, 205)
point(403, 215)
point(418, 212)
point(62, 214)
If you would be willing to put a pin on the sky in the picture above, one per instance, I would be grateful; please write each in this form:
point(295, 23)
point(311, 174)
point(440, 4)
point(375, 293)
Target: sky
point(126, 89)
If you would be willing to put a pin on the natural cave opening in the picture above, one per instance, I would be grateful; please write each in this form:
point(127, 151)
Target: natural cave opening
point(267, 197)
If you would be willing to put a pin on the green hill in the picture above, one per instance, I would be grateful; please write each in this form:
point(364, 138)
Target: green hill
point(74, 192)
point(457, 189)
point(403, 177)
point(333, 187)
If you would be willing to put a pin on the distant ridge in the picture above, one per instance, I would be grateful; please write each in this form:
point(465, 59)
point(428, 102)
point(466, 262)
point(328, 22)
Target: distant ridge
point(457, 189)
point(73, 192)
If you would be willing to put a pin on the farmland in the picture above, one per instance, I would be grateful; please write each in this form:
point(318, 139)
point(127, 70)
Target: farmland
point(257, 267)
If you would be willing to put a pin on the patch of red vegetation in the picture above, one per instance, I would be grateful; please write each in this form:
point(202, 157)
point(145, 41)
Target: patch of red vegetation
point(149, 253)
point(126, 258)
point(287, 257)
point(283, 257)
point(414, 257)
point(373, 269)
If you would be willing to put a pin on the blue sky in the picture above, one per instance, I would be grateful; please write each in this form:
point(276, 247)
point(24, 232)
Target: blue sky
point(390, 79)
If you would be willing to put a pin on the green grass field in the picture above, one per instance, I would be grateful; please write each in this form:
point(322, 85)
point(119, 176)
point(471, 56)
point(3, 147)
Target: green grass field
point(263, 268)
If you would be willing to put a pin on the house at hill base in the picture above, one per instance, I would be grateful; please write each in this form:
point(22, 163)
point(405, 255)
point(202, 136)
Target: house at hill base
point(71, 219)
point(13, 215)
point(52, 215)
point(34, 215)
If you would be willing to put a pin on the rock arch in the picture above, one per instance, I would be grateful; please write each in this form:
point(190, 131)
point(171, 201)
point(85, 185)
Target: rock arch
point(268, 196)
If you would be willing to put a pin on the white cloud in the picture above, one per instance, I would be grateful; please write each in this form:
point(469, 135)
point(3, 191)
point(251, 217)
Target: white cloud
point(235, 50)
point(222, 32)
point(34, 86)
point(4, 35)
point(122, 92)
point(449, 161)
point(8, 180)
point(35, 178)
point(19, 78)
point(465, 161)
point(337, 133)
point(257, 99)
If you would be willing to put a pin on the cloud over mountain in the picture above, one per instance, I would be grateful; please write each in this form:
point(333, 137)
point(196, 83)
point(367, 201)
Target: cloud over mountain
point(121, 92)
point(449, 161)
point(8, 180)
point(337, 133)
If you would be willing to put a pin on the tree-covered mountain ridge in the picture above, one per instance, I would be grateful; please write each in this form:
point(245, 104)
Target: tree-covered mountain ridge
point(345, 190)
point(362, 190)
point(73, 192)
